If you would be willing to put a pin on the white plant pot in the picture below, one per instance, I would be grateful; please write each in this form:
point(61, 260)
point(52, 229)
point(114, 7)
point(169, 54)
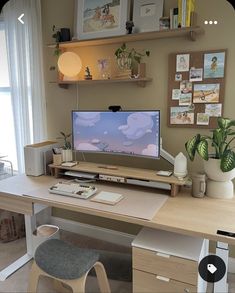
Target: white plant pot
point(67, 155)
point(219, 184)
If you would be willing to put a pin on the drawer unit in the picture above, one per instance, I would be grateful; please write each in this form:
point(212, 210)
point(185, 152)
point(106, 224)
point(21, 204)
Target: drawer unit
point(150, 283)
point(167, 262)
point(165, 265)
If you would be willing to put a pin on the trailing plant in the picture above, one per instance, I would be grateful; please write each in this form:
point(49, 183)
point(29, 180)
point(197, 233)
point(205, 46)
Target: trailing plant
point(57, 36)
point(65, 137)
point(132, 54)
point(221, 140)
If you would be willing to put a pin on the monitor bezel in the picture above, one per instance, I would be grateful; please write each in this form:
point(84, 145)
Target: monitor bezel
point(117, 153)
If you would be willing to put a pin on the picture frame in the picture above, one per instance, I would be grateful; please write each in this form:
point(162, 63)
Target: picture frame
point(146, 15)
point(98, 19)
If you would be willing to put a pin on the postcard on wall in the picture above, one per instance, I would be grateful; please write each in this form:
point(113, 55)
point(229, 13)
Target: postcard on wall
point(206, 93)
point(213, 110)
point(176, 94)
point(195, 74)
point(178, 77)
point(182, 62)
point(181, 115)
point(186, 86)
point(203, 119)
point(185, 99)
point(214, 65)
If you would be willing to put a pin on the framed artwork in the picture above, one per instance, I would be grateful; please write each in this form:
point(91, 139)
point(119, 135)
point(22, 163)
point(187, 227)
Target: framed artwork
point(146, 15)
point(214, 65)
point(182, 62)
point(101, 18)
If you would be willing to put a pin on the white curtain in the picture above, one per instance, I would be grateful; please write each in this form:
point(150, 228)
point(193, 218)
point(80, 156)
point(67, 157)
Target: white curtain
point(24, 44)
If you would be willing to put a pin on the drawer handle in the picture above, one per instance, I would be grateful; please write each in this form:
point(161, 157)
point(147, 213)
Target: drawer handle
point(162, 254)
point(163, 278)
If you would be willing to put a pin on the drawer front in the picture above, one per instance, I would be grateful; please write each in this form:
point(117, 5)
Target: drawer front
point(17, 205)
point(172, 267)
point(149, 283)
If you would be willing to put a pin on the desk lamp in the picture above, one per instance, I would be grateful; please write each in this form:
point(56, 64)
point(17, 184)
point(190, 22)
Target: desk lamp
point(70, 65)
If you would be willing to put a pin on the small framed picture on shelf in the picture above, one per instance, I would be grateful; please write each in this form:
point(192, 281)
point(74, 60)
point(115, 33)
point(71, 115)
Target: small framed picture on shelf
point(146, 15)
point(101, 18)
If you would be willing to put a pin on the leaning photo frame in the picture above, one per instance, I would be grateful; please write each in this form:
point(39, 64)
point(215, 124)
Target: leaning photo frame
point(98, 19)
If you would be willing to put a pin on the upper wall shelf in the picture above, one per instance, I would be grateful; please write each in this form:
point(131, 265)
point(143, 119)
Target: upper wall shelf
point(190, 32)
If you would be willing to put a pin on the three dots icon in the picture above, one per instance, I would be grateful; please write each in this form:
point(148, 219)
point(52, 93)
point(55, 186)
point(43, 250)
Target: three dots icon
point(210, 22)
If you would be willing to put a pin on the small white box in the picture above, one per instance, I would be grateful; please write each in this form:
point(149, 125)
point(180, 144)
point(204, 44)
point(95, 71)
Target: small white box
point(34, 159)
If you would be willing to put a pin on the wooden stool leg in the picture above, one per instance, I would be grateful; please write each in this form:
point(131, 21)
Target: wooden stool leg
point(58, 285)
point(102, 278)
point(78, 285)
point(33, 278)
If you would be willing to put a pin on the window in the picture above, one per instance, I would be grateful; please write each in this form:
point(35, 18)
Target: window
point(7, 132)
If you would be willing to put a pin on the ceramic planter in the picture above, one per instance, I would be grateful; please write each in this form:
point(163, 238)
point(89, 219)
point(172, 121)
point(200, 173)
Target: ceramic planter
point(219, 184)
point(67, 155)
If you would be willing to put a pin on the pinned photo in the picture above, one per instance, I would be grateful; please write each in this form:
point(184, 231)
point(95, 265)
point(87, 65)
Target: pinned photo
point(203, 119)
point(176, 94)
point(182, 62)
point(185, 99)
point(214, 65)
point(181, 115)
point(186, 87)
point(214, 110)
point(206, 93)
point(178, 77)
point(195, 74)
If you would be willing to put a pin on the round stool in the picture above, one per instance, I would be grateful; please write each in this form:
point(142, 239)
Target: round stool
point(66, 264)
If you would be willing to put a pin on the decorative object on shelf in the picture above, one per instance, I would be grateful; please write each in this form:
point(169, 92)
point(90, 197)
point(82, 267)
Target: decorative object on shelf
point(146, 15)
point(70, 65)
point(87, 75)
point(129, 26)
point(101, 18)
point(67, 155)
point(126, 57)
point(219, 166)
point(198, 184)
point(180, 166)
point(57, 36)
point(104, 68)
point(164, 23)
point(65, 35)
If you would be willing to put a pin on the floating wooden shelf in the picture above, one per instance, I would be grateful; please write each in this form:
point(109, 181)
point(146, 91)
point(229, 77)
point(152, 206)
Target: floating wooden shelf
point(190, 32)
point(139, 81)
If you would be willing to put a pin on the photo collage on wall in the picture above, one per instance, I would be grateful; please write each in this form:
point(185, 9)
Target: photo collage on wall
point(196, 87)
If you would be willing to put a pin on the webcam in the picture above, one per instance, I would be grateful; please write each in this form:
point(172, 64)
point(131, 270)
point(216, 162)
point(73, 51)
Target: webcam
point(115, 108)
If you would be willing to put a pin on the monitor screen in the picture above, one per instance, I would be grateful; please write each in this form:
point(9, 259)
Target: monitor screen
point(134, 133)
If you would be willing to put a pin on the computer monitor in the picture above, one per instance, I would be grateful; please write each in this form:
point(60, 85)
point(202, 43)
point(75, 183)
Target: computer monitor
point(132, 133)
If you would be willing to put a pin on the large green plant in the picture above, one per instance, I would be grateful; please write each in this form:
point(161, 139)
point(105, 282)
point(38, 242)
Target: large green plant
point(221, 140)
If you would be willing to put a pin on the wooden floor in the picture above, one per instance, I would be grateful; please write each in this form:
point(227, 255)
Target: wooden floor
point(18, 281)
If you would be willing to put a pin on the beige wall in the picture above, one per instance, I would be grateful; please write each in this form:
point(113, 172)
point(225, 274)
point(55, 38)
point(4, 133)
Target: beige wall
point(60, 102)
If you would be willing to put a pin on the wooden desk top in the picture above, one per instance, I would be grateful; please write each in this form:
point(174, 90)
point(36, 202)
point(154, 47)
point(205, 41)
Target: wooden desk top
point(200, 217)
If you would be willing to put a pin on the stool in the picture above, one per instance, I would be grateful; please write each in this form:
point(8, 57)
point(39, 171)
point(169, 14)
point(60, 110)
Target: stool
point(67, 264)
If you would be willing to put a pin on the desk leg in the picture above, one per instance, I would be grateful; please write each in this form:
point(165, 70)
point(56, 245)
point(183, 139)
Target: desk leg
point(9, 270)
point(222, 251)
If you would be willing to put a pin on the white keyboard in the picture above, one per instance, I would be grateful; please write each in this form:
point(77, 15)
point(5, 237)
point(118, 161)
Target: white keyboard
point(73, 189)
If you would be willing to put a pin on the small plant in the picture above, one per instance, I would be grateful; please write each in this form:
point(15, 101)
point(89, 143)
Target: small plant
point(221, 140)
point(57, 36)
point(67, 144)
point(132, 55)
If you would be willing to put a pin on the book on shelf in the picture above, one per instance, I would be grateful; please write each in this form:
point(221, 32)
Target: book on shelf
point(174, 18)
point(185, 8)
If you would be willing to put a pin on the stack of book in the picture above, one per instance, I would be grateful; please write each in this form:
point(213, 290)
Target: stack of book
point(174, 18)
point(185, 9)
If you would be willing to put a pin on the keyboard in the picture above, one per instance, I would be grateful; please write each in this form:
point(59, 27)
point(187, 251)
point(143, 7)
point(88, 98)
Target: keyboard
point(73, 189)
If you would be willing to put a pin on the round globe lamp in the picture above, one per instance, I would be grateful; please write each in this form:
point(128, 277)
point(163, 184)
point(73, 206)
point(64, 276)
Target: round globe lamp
point(70, 65)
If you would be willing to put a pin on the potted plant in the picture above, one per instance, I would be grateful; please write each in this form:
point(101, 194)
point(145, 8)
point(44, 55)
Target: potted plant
point(67, 155)
point(219, 164)
point(126, 57)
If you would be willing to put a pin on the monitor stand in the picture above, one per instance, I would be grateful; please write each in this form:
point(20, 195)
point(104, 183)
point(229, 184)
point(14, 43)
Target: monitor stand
point(165, 155)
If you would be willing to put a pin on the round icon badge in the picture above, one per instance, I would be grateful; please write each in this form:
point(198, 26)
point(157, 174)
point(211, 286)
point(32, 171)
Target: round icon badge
point(212, 268)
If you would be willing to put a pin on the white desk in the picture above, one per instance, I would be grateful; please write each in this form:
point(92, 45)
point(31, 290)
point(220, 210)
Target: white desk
point(182, 214)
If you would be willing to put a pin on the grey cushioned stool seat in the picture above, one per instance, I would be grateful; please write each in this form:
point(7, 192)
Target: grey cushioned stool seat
point(66, 264)
point(63, 260)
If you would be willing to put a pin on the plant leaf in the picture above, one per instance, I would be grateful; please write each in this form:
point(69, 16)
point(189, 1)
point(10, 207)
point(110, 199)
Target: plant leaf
point(191, 146)
point(225, 123)
point(227, 161)
point(202, 149)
